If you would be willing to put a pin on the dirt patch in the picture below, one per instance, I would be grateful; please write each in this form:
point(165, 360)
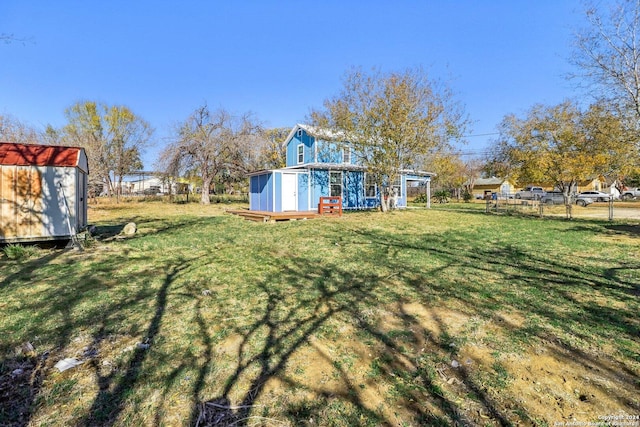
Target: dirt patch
point(478, 371)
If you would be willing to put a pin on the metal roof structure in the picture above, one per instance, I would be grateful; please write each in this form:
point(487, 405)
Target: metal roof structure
point(38, 155)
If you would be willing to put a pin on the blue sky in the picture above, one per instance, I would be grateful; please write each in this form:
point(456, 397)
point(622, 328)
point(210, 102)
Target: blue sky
point(277, 59)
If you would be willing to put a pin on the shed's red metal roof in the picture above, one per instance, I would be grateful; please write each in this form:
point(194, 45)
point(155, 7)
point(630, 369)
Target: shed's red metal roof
point(38, 155)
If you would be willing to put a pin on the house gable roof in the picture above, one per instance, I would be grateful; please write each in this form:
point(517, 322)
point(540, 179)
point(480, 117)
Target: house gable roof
point(490, 181)
point(39, 155)
point(311, 130)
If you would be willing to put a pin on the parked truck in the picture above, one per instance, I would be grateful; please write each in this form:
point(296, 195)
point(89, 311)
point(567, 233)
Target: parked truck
point(630, 193)
point(530, 193)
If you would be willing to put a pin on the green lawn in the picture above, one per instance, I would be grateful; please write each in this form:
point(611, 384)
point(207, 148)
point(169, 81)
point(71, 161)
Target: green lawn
point(418, 317)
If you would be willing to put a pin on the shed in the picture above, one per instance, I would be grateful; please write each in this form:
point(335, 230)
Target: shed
point(43, 192)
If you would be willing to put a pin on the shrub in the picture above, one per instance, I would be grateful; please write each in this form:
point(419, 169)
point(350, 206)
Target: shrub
point(442, 196)
point(18, 252)
point(467, 197)
point(420, 198)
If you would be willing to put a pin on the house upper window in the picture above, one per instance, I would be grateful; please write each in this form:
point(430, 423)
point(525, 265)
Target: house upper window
point(370, 186)
point(346, 155)
point(300, 153)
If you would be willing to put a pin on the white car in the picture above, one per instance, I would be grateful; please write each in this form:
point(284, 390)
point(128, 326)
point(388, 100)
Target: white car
point(598, 196)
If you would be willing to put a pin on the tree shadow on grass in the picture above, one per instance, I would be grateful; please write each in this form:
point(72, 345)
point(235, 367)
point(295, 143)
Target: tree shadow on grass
point(114, 386)
point(303, 302)
point(21, 393)
point(289, 324)
point(626, 229)
point(542, 286)
point(304, 296)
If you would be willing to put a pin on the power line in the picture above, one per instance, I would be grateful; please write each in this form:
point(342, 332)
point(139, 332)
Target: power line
point(480, 134)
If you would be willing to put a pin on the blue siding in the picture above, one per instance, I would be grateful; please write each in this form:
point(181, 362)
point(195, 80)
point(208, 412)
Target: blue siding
point(292, 148)
point(371, 203)
point(303, 192)
point(254, 193)
point(329, 152)
point(353, 190)
point(314, 150)
point(261, 192)
point(402, 201)
point(312, 186)
point(277, 206)
point(319, 186)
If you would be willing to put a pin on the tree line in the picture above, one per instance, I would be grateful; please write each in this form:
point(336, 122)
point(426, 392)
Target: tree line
point(397, 119)
point(215, 148)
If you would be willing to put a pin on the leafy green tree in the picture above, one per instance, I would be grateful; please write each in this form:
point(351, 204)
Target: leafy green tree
point(51, 136)
point(391, 120)
point(561, 144)
point(273, 152)
point(453, 173)
point(113, 137)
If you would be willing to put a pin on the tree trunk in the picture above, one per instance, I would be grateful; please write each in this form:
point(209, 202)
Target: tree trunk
point(118, 189)
point(384, 202)
point(204, 199)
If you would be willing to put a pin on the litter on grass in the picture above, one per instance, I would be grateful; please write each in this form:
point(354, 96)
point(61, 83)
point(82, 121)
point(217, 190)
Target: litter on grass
point(68, 363)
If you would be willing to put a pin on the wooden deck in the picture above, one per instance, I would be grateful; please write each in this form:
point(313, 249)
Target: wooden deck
point(263, 216)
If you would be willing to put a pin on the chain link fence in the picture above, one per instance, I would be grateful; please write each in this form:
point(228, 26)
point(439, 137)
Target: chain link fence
point(507, 203)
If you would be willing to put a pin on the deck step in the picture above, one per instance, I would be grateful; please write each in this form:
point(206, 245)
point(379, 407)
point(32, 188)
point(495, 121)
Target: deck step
point(262, 216)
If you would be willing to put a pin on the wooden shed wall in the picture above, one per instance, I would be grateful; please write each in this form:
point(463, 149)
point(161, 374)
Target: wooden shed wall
point(32, 205)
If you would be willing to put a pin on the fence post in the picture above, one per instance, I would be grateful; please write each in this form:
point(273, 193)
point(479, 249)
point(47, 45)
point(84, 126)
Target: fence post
point(541, 207)
point(611, 208)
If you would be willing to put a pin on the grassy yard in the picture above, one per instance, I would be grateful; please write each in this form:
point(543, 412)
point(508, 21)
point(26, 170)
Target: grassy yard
point(412, 318)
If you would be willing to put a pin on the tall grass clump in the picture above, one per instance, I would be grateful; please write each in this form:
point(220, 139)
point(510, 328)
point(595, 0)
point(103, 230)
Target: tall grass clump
point(18, 252)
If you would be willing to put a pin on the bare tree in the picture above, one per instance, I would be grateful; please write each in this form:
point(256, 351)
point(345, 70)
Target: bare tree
point(51, 135)
point(211, 145)
point(14, 130)
point(127, 135)
point(608, 55)
point(471, 171)
point(10, 38)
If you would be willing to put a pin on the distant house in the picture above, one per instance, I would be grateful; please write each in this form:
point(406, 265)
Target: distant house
point(142, 182)
point(43, 192)
point(592, 184)
point(318, 168)
point(500, 186)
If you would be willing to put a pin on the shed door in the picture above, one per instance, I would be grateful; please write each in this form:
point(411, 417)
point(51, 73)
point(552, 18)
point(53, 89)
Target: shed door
point(81, 202)
point(289, 194)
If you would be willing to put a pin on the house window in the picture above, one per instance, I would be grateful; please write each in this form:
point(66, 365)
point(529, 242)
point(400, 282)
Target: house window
point(300, 153)
point(346, 155)
point(299, 133)
point(370, 186)
point(335, 181)
point(396, 186)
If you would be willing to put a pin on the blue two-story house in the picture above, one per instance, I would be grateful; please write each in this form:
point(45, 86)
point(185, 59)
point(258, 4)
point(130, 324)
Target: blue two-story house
point(315, 168)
